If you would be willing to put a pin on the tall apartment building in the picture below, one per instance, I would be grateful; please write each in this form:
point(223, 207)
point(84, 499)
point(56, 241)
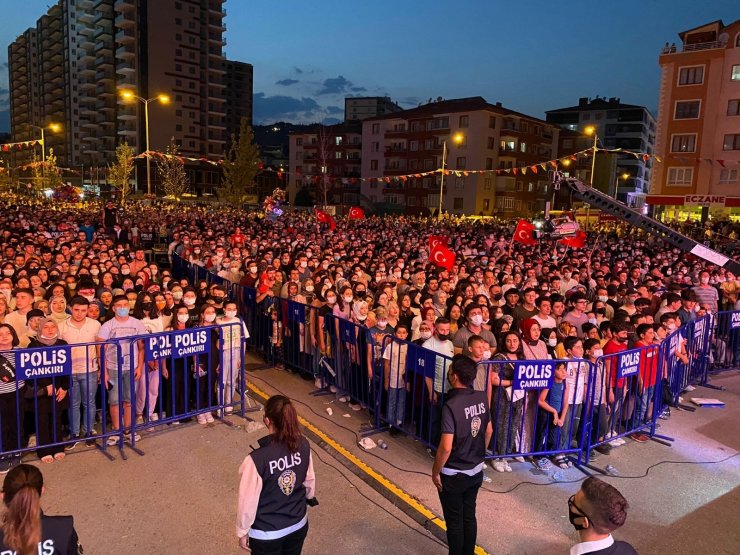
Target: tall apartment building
point(699, 125)
point(239, 79)
point(357, 108)
point(326, 156)
point(617, 125)
point(493, 137)
point(72, 67)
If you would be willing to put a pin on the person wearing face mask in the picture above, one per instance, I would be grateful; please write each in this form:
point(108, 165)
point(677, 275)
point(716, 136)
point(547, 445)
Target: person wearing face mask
point(175, 372)
point(617, 387)
point(233, 331)
point(600, 398)
point(706, 294)
point(595, 511)
point(439, 343)
point(473, 326)
point(458, 465)
point(204, 370)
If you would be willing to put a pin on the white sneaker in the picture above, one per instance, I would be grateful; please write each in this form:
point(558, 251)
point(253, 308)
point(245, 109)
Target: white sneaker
point(318, 383)
point(134, 437)
point(621, 440)
point(614, 443)
point(499, 465)
point(201, 418)
point(111, 441)
point(154, 417)
point(333, 388)
point(519, 459)
point(507, 468)
point(343, 399)
point(229, 409)
point(209, 418)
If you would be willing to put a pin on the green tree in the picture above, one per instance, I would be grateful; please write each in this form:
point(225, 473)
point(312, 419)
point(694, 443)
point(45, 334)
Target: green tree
point(119, 173)
point(52, 174)
point(171, 170)
point(240, 166)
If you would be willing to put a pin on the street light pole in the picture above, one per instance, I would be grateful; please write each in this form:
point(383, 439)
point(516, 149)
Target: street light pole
point(442, 179)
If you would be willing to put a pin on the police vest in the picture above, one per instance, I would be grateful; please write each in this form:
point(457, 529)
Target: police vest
point(468, 410)
point(58, 537)
point(282, 504)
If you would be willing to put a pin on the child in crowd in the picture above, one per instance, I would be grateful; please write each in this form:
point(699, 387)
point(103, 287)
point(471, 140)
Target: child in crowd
point(394, 358)
point(233, 332)
point(276, 338)
point(552, 414)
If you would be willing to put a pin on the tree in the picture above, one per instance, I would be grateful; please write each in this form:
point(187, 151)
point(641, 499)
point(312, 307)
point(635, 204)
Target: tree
point(119, 174)
point(303, 197)
point(171, 170)
point(325, 153)
point(240, 167)
point(52, 174)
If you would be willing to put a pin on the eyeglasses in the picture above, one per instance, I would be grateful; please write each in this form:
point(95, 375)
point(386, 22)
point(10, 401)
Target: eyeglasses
point(572, 504)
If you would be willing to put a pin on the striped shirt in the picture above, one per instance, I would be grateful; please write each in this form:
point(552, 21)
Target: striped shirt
point(10, 387)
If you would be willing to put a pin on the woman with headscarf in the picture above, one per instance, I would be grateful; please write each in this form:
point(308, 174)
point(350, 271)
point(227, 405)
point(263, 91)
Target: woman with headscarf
point(47, 398)
point(534, 349)
point(58, 308)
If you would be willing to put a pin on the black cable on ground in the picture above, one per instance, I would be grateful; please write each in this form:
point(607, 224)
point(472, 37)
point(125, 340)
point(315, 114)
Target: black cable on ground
point(357, 489)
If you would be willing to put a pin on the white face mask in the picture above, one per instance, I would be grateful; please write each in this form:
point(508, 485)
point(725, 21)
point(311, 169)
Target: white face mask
point(331, 300)
point(230, 313)
point(425, 334)
point(486, 355)
point(183, 318)
point(603, 298)
point(348, 299)
point(189, 301)
point(476, 320)
point(598, 353)
point(177, 295)
point(382, 323)
point(209, 317)
point(552, 342)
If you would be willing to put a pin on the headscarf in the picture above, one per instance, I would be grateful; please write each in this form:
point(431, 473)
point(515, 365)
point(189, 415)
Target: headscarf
point(58, 316)
point(46, 340)
point(526, 328)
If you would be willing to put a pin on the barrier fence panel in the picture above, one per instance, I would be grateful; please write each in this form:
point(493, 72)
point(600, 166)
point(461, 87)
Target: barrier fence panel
point(725, 340)
point(44, 390)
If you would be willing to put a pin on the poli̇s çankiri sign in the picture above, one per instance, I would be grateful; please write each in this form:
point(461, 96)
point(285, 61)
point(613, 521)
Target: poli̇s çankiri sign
point(534, 374)
point(735, 320)
point(628, 364)
point(43, 362)
point(177, 344)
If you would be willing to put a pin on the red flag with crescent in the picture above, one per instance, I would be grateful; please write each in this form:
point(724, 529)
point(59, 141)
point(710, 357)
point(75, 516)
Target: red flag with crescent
point(524, 233)
point(436, 241)
point(442, 257)
point(356, 213)
point(324, 218)
point(578, 241)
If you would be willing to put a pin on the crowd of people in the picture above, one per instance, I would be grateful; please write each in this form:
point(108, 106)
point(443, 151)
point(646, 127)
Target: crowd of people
point(82, 275)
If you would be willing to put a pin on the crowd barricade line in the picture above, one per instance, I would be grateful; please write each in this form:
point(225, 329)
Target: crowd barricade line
point(725, 341)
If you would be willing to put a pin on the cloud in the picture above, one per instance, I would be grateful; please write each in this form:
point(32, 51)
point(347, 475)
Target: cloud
point(297, 70)
point(331, 121)
point(338, 85)
point(286, 82)
point(4, 98)
point(4, 121)
point(334, 110)
point(268, 109)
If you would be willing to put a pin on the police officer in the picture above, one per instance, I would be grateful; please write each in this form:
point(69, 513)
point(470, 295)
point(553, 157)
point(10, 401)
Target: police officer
point(458, 465)
point(277, 480)
point(26, 529)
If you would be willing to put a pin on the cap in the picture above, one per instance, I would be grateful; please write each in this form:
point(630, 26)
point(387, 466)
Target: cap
point(34, 313)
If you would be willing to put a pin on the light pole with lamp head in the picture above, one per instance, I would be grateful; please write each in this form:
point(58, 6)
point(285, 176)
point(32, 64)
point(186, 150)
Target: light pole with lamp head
point(54, 127)
point(129, 95)
point(457, 138)
point(624, 176)
point(591, 130)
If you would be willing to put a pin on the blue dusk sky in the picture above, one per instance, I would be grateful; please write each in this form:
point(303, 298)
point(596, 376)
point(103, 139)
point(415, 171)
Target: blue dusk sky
point(532, 56)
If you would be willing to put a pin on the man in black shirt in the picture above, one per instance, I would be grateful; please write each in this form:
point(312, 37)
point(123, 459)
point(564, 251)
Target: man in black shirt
point(458, 465)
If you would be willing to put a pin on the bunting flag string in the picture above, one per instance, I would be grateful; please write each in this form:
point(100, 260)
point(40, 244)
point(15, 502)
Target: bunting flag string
point(8, 147)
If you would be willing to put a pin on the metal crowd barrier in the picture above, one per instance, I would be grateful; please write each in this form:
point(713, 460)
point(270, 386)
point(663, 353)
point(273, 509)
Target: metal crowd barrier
point(725, 340)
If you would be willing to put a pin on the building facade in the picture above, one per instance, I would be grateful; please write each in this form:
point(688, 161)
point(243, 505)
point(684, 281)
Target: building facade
point(698, 134)
point(489, 137)
point(617, 125)
point(71, 68)
point(357, 108)
point(239, 81)
point(326, 159)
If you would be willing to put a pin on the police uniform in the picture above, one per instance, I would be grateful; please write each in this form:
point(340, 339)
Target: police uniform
point(58, 537)
point(274, 486)
point(465, 415)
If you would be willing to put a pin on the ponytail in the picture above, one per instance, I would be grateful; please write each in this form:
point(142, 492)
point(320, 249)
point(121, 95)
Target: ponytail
point(282, 414)
point(22, 496)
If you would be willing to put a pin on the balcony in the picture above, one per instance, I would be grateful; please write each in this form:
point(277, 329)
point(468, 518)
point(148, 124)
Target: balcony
point(123, 21)
point(124, 5)
point(124, 53)
point(125, 36)
point(692, 47)
point(125, 70)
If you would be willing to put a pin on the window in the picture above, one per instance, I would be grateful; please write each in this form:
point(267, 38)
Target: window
point(567, 144)
point(691, 75)
point(413, 146)
point(486, 204)
point(491, 143)
point(459, 183)
point(457, 203)
point(338, 155)
point(373, 164)
point(680, 176)
point(487, 183)
point(733, 107)
point(688, 109)
point(299, 141)
point(683, 143)
point(376, 128)
point(732, 142)
point(460, 163)
point(735, 76)
point(523, 146)
point(599, 115)
point(508, 145)
point(491, 122)
point(530, 187)
point(338, 141)
point(727, 176)
point(519, 186)
point(464, 121)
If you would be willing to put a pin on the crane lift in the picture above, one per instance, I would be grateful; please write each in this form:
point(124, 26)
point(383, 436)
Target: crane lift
point(604, 202)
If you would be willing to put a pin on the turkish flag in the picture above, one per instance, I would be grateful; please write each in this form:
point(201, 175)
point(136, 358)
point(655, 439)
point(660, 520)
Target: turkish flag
point(356, 213)
point(324, 218)
point(578, 241)
point(436, 241)
point(524, 233)
point(443, 257)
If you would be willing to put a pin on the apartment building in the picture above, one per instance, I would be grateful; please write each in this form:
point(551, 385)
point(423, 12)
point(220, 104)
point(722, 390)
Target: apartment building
point(478, 136)
point(326, 158)
point(71, 68)
point(698, 133)
point(239, 80)
point(357, 108)
point(617, 125)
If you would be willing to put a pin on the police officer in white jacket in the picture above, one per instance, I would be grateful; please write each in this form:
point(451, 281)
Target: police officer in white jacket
point(277, 480)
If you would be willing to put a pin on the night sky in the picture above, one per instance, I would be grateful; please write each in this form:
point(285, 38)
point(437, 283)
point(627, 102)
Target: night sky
point(532, 55)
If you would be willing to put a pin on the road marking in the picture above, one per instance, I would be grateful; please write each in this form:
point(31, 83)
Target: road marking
point(429, 518)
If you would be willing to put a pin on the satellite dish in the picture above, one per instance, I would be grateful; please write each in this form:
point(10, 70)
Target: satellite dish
point(723, 38)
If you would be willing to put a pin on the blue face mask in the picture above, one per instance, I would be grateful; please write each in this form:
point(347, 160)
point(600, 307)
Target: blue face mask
point(122, 312)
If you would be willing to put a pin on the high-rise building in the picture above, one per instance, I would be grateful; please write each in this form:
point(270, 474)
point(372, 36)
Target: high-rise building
point(238, 96)
point(490, 137)
point(617, 125)
point(357, 108)
point(71, 68)
point(698, 134)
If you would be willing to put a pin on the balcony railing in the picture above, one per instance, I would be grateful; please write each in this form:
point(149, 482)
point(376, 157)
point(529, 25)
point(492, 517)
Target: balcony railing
point(692, 47)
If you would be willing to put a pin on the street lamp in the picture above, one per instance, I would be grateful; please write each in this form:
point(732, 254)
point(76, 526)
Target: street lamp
point(457, 138)
point(624, 176)
point(129, 96)
point(54, 127)
point(591, 130)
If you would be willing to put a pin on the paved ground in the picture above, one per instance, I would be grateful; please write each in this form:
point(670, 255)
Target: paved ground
point(180, 496)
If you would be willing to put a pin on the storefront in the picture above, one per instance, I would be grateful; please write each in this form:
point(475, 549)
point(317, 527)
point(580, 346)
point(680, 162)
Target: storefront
point(694, 207)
